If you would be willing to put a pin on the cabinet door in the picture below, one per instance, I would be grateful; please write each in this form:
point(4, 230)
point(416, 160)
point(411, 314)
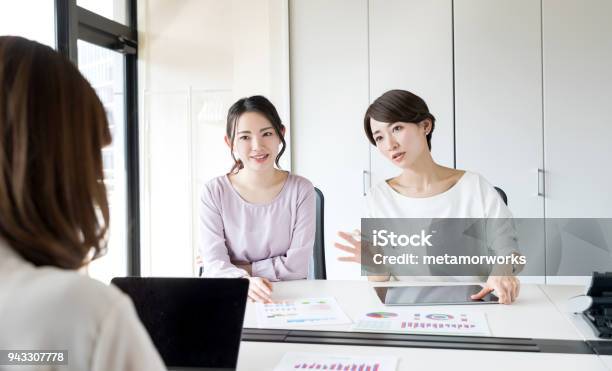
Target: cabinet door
point(577, 40)
point(411, 49)
point(329, 94)
point(498, 108)
point(498, 97)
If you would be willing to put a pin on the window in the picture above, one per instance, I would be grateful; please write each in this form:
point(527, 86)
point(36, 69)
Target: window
point(104, 69)
point(111, 9)
point(93, 34)
point(40, 25)
point(105, 52)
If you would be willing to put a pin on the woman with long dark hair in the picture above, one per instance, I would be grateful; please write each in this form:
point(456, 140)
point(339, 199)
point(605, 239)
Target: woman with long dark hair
point(54, 218)
point(257, 221)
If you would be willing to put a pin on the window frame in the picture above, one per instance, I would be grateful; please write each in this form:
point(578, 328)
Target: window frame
point(74, 23)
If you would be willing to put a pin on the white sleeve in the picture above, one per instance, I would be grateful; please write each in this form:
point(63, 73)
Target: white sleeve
point(123, 343)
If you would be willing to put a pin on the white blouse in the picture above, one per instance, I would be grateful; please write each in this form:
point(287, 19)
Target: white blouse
point(47, 308)
point(471, 197)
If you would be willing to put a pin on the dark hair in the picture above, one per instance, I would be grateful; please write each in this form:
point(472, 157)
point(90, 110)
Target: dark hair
point(261, 105)
point(396, 106)
point(53, 205)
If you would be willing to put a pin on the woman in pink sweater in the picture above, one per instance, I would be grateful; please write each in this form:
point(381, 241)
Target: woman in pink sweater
point(257, 221)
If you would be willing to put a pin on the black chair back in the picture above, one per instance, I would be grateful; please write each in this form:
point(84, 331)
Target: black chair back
point(502, 194)
point(316, 269)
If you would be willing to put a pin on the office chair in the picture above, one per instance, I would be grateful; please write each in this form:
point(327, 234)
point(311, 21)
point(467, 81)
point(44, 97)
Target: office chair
point(502, 194)
point(316, 268)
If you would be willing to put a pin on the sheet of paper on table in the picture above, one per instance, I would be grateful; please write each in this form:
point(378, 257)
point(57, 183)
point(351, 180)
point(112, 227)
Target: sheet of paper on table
point(318, 361)
point(447, 321)
point(301, 312)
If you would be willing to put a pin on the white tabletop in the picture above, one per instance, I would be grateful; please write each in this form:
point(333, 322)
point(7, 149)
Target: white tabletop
point(538, 313)
point(606, 360)
point(533, 315)
point(558, 294)
point(265, 356)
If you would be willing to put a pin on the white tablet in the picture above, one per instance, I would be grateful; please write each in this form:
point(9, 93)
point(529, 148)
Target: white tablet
point(432, 295)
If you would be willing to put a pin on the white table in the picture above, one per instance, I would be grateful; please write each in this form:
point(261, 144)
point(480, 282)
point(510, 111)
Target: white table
point(533, 315)
point(607, 361)
point(265, 356)
point(558, 295)
point(538, 313)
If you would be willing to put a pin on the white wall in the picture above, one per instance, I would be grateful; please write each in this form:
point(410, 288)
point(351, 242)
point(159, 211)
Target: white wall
point(196, 58)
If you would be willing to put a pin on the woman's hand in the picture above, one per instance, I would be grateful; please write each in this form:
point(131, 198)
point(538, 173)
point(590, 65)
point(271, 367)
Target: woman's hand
point(260, 290)
point(353, 247)
point(506, 287)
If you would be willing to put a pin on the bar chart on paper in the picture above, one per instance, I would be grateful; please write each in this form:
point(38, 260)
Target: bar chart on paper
point(315, 361)
point(339, 366)
point(299, 312)
point(448, 322)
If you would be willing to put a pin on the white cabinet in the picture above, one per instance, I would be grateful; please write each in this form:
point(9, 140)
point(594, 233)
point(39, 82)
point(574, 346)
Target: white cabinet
point(411, 48)
point(498, 107)
point(329, 94)
point(532, 87)
point(577, 37)
point(498, 97)
point(577, 57)
point(345, 53)
point(520, 90)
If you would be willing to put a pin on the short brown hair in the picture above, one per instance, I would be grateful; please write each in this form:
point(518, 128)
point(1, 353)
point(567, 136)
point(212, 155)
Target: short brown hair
point(396, 106)
point(53, 205)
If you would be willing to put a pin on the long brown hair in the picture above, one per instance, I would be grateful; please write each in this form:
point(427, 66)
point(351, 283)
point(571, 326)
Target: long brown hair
point(261, 105)
point(53, 205)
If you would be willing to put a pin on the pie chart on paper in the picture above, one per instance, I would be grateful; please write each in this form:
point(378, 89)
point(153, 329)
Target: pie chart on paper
point(381, 315)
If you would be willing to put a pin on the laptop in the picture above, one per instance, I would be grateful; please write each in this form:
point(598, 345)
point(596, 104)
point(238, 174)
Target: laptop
point(195, 323)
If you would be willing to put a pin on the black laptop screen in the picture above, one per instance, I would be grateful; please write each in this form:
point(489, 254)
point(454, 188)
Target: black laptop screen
point(193, 322)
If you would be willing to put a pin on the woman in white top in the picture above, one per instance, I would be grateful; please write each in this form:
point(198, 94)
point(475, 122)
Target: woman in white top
point(400, 125)
point(54, 217)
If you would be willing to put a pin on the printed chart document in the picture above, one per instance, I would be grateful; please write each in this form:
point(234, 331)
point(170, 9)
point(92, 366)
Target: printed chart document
point(304, 311)
point(315, 361)
point(441, 322)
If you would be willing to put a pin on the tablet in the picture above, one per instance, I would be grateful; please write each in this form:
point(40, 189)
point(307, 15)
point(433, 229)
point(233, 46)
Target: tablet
point(432, 295)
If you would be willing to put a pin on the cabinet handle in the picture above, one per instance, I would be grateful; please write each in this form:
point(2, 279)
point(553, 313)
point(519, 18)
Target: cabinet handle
point(541, 182)
point(363, 181)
